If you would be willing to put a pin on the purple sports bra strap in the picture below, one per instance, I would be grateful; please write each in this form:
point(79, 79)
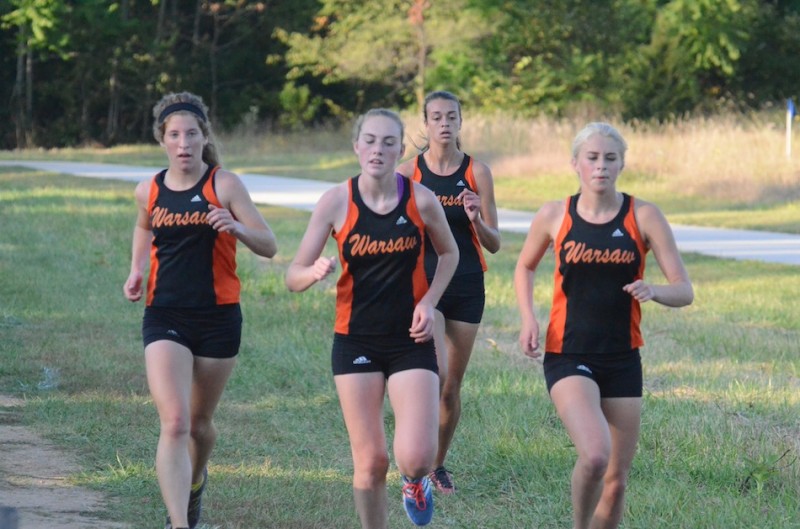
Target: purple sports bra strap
point(400, 181)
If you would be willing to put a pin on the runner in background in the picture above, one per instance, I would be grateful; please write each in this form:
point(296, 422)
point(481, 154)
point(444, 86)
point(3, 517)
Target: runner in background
point(465, 188)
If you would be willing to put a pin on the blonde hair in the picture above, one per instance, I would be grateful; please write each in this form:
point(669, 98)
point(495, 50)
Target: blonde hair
point(603, 129)
point(187, 104)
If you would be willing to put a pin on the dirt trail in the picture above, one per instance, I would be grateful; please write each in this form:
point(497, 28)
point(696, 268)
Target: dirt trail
point(32, 480)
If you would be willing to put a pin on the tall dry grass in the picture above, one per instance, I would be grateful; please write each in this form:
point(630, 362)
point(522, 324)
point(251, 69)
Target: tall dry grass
point(727, 157)
point(734, 157)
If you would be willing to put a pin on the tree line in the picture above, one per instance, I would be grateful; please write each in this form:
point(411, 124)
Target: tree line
point(88, 72)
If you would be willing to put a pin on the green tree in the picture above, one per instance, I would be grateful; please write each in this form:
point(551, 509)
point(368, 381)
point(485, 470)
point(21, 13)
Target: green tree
point(98, 82)
point(384, 51)
point(552, 55)
point(693, 55)
point(36, 23)
point(769, 68)
point(89, 71)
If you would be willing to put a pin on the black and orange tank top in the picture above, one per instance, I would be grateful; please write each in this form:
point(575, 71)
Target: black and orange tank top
point(591, 314)
point(191, 264)
point(447, 188)
point(383, 276)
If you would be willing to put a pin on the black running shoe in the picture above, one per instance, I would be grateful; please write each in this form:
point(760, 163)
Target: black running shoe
point(442, 479)
point(168, 525)
point(196, 502)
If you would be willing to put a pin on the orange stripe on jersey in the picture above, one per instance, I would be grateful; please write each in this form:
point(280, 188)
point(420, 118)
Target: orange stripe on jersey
point(344, 299)
point(470, 176)
point(417, 176)
point(419, 279)
point(637, 340)
point(151, 278)
point(558, 314)
point(226, 284)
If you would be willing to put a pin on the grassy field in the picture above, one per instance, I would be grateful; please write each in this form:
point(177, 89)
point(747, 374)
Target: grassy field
point(720, 436)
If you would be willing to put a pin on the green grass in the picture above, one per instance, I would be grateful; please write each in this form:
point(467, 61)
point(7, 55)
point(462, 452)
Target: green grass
point(719, 441)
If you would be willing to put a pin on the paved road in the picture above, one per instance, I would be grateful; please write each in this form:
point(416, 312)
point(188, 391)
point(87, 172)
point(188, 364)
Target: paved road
point(303, 194)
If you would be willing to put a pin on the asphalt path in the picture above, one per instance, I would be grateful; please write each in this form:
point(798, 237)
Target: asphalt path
point(303, 194)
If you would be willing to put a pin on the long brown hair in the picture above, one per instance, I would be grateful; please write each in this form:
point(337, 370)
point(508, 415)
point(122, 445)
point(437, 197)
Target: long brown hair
point(188, 104)
point(439, 94)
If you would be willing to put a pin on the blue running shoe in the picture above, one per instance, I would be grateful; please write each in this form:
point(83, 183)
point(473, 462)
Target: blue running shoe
point(418, 500)
point(196, 502)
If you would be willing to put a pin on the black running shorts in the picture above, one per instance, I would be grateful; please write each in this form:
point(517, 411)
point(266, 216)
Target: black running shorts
point(617, 375)
point(386, 354)
point(214, 332)
point(464, 299)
